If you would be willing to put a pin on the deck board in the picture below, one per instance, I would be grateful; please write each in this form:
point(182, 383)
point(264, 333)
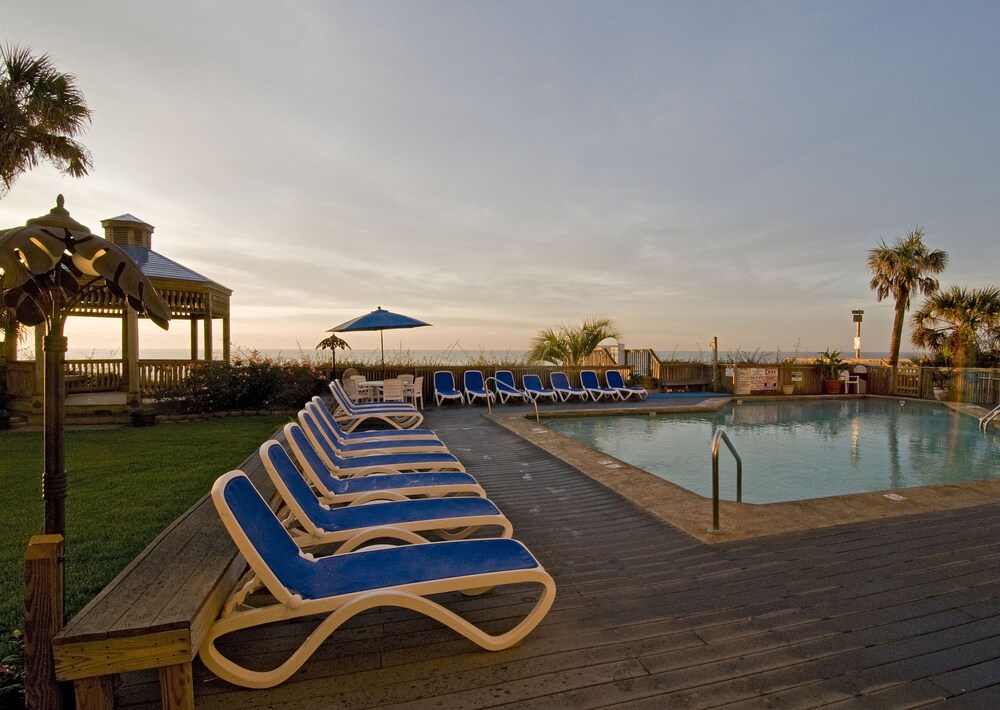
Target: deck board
point(895, 613)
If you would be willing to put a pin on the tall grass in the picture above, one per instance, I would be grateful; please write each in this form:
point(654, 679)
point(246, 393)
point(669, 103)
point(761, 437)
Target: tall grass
point(125, 486)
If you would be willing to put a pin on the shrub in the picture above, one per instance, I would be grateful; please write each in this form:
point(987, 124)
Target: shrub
point(248, 383)
point(12, 672)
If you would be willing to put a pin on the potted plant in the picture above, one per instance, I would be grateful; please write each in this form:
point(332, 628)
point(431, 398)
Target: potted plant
point(787, 382)
point(141, 415)
point(941, 382)
point(830, 365)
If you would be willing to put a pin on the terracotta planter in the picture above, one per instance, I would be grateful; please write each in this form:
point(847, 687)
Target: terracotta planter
point(833, 387)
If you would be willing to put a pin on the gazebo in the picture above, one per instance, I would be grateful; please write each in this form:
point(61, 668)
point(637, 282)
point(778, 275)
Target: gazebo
point(189, 296)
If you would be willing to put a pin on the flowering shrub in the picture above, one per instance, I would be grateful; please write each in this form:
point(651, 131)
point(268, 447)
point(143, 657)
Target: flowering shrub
point(12, 673)
point(251, 382)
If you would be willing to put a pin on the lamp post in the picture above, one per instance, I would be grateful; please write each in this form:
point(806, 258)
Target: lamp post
point(47, 267)
point(857, 333)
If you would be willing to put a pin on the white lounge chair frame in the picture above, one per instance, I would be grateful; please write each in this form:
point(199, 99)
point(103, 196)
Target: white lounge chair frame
point(284, 605)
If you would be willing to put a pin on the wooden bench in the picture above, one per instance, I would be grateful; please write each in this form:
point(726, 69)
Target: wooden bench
point(686, 375)
point(156, 613)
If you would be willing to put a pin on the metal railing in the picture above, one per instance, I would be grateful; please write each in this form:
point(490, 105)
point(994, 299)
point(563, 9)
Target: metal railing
point(528, 397)
point(721, 436)
point(985, 421)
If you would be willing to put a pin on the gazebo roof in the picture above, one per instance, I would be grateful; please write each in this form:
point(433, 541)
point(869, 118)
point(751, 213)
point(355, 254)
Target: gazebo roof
point(155, 265)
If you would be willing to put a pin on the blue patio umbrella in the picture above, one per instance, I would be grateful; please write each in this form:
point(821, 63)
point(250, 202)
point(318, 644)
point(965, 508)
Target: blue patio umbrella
point(379, 320)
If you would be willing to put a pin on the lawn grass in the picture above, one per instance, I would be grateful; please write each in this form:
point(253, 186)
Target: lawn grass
point(125, 486)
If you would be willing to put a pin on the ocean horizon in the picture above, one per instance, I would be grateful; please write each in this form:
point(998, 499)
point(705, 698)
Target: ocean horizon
point(450, 356)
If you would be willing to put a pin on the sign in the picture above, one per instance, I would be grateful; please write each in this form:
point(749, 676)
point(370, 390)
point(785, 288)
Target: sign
point(796, 375)
point(750, 380)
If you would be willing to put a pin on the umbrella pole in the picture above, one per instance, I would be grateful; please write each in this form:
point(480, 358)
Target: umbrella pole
point(381, 342)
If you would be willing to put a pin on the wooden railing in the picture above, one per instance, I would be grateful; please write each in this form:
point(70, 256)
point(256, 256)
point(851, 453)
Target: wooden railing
point(159, 375)
point(93, 376)
point(20, 379)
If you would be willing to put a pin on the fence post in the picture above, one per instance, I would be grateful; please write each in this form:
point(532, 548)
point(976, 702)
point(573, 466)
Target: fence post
point(43, 618)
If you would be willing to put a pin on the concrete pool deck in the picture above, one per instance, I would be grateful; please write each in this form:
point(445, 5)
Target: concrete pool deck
point(693, 513)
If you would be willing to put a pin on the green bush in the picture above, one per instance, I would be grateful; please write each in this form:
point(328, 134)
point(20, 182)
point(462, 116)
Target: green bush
point(247, 384)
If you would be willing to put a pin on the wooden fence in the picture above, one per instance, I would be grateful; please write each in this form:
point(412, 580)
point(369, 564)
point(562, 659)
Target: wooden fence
point(971, 385)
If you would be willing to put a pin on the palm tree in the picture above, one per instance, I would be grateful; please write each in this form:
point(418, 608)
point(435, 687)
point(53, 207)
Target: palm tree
point(41, 110)
point(901, 269)
point(959, 323)
point(570, 346)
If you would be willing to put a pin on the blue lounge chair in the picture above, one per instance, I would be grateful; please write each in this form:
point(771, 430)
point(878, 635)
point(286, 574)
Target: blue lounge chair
point(352, 414)
point(534, 388)
point(371, 434)
point(475, 386)
point(505, 387)
point(380, 446)
point(377, 463)
point(560, 383)
point(593, 386)
point(340, 586)
point(616, 382)
point(338, 491)
point(311, 522)
point(444, 388)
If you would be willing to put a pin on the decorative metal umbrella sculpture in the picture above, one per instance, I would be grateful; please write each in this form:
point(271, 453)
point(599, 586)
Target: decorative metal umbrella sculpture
point(47, 267)
point(379, 320)
point(332, 342)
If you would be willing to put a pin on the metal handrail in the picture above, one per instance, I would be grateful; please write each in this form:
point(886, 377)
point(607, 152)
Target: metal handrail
point(985, 421)
point(489, 405)
point(719, 437)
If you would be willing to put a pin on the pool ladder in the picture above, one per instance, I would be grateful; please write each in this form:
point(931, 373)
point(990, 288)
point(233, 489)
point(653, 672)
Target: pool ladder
point(489, 404)
point(717, 440)
point(985, 421)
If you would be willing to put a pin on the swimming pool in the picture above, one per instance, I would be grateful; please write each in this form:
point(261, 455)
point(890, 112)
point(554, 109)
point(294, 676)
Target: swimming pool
point(799, 450)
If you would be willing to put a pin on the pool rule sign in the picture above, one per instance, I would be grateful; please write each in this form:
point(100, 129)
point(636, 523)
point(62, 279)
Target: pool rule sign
point(755, 380)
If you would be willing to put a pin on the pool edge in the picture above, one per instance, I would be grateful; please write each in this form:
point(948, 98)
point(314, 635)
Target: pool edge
point(692, 513)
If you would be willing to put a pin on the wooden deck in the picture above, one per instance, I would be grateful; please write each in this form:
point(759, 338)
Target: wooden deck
point(896, 613)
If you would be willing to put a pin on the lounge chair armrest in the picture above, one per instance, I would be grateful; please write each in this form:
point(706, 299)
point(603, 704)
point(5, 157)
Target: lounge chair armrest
point(390, 533)
point(376, 496)
point(373, 471)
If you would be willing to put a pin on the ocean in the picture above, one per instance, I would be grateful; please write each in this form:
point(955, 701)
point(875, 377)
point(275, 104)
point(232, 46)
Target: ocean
point(451, 356)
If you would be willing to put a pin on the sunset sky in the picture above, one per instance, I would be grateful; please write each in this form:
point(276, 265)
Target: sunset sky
point(689, 169)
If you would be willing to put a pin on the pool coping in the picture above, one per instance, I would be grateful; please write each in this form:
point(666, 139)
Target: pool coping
point(692, 513)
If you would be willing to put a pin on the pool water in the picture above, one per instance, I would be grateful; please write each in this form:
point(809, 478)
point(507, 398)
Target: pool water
point(797, 450)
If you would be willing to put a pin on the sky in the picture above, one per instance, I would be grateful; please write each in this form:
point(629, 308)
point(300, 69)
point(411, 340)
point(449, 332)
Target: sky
point(689, 169)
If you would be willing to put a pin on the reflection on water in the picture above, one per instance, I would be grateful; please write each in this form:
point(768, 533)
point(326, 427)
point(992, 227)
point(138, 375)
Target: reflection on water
point(798, 450)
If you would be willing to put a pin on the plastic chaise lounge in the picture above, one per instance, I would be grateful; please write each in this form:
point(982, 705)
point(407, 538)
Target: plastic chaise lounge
point(616, 382)
point(347, 403)
point(376, 463)
point(534, 388)
point(361, 489)
point(593, 386)
point(444, 388)
point(312, 522)
point(352, 414)
point(475, 387)
point(560, 383)
point(371, 434)
point(351, 449)
point(340, 586)
point(506, 389)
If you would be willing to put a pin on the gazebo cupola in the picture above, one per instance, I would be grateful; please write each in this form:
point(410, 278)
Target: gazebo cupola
point(128, 229)
point(189, 295)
